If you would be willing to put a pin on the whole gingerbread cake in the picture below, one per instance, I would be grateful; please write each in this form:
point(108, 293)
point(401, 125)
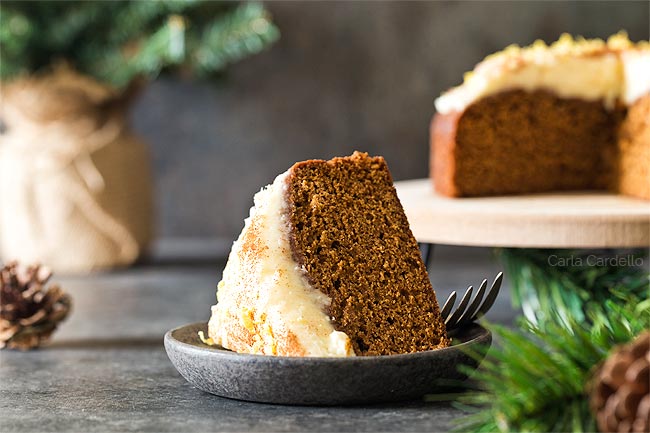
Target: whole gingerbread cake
point(574, 115)
point(326, 265)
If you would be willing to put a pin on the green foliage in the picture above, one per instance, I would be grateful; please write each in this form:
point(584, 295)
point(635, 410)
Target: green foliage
point(536, 379)
point(116, 41)
point(578, 307)
point(552, 284)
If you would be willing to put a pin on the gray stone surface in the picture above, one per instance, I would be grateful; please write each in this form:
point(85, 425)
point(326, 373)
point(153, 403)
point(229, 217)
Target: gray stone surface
point(344, 76)
point(106, 369)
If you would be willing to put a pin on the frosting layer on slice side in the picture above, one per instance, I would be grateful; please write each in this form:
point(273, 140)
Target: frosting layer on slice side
point(265, 304)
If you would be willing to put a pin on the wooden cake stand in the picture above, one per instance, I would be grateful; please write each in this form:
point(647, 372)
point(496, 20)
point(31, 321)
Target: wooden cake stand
point(557, 220)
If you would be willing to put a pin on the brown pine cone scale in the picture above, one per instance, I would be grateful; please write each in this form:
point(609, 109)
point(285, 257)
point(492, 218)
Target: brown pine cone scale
point(29, 311)
point(620, 392)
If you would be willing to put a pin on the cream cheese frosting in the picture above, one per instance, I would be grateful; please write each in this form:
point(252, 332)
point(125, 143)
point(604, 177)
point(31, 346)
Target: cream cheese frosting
point(267, 293)
point(616, 71)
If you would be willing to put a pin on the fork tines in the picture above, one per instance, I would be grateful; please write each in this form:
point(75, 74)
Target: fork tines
point(467, 311)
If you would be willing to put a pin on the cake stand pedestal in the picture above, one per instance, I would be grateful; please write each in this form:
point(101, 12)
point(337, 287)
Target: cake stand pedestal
point(557, 220)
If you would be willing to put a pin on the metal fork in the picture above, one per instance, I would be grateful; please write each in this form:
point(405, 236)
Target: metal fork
point(467, 311)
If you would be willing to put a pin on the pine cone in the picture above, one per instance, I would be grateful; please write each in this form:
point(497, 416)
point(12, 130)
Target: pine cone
point(29, 313)
point(620, 392)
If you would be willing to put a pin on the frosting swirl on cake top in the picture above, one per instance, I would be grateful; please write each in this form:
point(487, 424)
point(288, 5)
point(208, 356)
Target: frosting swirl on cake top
point(614, 71)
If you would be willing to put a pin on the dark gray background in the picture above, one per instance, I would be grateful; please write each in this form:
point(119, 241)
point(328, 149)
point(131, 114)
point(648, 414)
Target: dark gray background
point(344, 76)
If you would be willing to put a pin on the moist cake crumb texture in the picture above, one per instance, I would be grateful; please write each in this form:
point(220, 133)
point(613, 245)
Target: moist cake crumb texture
point(351, 236)
point(524, 142)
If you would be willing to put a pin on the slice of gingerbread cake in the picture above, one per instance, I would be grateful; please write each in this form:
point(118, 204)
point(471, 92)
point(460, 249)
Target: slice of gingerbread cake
point(326, 265)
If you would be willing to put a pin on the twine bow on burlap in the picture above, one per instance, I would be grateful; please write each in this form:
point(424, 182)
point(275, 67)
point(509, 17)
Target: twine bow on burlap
point(74, 181)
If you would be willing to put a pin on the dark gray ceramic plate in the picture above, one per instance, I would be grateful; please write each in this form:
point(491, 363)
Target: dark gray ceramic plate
point(320, 381)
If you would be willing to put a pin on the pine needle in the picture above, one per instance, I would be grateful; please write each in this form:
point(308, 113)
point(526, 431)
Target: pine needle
point(535, 379)
point(116, 41)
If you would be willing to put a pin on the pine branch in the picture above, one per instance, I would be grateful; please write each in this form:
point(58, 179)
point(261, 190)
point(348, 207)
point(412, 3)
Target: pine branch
point(16, 31)
point(72, 23)
point(247, 30)
point(578, 307)
point(135, 17)
point(563, 283)
point(162, 48)
point(118, 41)
point(535, 380)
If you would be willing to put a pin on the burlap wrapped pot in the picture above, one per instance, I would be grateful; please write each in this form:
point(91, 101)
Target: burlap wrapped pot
point(75, 182)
